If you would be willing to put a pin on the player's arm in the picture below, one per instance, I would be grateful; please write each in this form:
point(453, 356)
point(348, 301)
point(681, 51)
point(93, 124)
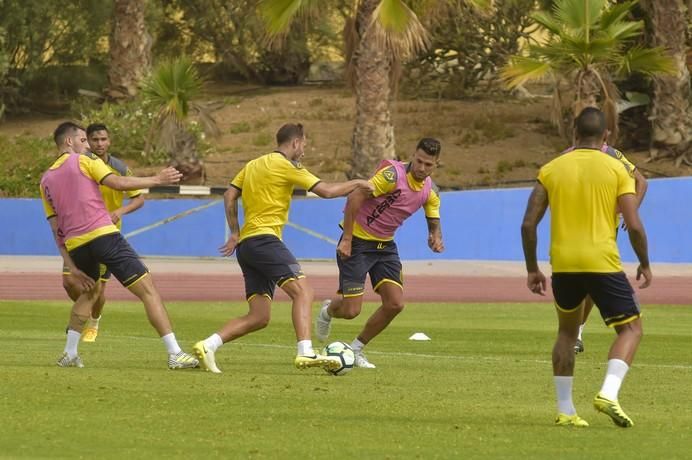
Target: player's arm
point(132, 205)
point(535, 210)
point(628, 207)
point(84, 282)
point(167, 176)
point(432, 216)
point(354, 202)
point(230, 201)
point(336, 189)
point(640, 186)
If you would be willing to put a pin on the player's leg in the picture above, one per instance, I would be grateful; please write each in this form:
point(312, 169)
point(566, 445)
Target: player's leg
point(615, 299)
point(91, 329)
point(352, 274)
point(117, 255)
point(569, 292)
point(588, 306)
point(388, 281)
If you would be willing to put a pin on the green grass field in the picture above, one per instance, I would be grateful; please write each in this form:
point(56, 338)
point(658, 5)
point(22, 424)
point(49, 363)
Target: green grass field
point(482, 388)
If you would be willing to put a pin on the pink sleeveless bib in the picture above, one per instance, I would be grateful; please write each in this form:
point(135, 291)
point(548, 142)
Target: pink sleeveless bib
point(383, 215)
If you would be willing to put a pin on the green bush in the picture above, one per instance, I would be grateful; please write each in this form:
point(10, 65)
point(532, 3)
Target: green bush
point(24, 159)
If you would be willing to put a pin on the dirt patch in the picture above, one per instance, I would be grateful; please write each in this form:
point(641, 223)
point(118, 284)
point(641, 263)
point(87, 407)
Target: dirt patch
point(485, 142)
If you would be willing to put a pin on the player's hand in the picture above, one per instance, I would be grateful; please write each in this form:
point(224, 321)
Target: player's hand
point(169, 176)
point(536, 283)
point(366, 187)
point(646, 273)
point(115, 217)
point(343, 249)
point(82, 280)
point(229, 248)
point(435, 243)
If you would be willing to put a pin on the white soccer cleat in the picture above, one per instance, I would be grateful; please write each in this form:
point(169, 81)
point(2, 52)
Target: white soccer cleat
point(182, 360)
point(362, 361)
point(323, 326)
point(66, 361)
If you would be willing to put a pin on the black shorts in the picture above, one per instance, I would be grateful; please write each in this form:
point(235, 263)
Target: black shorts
point(379, 259)
point(266, 261)
point(104, 273)
point(611, 292)
point(115, 253)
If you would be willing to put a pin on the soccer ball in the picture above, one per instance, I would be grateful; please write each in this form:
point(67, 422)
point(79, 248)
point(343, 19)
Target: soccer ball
point(344, 353)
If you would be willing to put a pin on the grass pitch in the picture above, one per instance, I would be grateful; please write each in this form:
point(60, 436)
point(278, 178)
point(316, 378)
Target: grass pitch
point(482, 388)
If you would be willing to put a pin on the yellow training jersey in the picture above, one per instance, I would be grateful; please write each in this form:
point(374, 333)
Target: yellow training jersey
point(384, 182)
point(114, 198)
point(266, 184)
point(583, 188)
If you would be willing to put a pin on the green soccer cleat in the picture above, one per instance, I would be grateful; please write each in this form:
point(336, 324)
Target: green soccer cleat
point(613, 410)
point(66, 361)
point(89, 334)
point(206, 358)
point(324, 362)
point(571, 420)
point(182, 361)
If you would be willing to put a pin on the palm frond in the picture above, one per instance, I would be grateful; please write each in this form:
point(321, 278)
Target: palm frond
point(278, 15)
point(172, 86)
point(547, 21)
point(648, 61)
point(616, 13)
point(577, 14)
point(521, 69)
point(398, 28)
point(623, 30)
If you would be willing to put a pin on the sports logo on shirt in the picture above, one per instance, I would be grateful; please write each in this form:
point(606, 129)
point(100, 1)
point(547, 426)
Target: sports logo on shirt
point(389, 174)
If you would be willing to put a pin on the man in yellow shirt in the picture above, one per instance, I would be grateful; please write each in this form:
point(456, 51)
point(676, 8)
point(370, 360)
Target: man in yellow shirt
point(584, 189)
point(265, 185)
point(99, 141)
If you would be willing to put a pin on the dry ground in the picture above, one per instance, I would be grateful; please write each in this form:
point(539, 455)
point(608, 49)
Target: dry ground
point(485, 142)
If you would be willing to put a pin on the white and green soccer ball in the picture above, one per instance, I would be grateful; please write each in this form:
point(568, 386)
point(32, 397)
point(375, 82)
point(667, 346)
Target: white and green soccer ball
point(344, 353)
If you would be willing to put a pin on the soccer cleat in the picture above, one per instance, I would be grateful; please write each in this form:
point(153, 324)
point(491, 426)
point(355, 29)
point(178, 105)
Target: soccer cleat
point(324, 362)
point(206, 358)
point(579, 346)
point(571, 420)
point(362, 361)
point(613, 410)
point(323, 326)
point(66, 361)
point(182, 361)
point(89, 334)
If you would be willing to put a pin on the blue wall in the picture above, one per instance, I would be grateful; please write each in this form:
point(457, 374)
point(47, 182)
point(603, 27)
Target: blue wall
point(478, 224)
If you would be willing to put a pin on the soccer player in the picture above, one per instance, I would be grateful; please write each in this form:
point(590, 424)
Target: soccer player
point(640, 186)
point(86, 238)
point(265, 185)
point(367, 244)
point(583, 190)
point(99, 144)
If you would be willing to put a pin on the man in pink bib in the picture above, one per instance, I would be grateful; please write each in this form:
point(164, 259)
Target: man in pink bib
point(367, 245)
point(86, 238)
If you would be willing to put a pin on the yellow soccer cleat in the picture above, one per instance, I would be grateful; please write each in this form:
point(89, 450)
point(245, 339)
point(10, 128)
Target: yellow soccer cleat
point(206, 358)
point(613, 410)
point(324, 362)
point(571, 420)
point(89, 334)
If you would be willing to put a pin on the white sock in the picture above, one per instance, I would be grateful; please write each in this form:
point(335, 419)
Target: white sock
point(305, 348)
point(563, 390)
point(171, 344)
point(72, 342)
point(581, 329)
point(617, 369)
point(213, 342)
point(324, 313)
point(93, 322)
point(357, 345)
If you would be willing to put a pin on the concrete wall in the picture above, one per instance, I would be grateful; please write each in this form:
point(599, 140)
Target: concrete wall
point(478, 224)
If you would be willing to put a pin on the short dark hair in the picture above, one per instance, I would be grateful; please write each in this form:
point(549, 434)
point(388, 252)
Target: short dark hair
point(92, 128)
point(65, 129)
point(288, 132)
point(590, 124)
point(430, 146)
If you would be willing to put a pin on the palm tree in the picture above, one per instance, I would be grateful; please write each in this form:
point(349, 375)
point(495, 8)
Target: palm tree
point(379, 35)
point(671, 111)
point(130, 49)
point(172, 89)
point(589, 44)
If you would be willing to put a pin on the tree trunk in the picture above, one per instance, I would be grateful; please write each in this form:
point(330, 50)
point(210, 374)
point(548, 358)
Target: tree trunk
point(373, 134)
point(670, 112)
point(130, 49)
